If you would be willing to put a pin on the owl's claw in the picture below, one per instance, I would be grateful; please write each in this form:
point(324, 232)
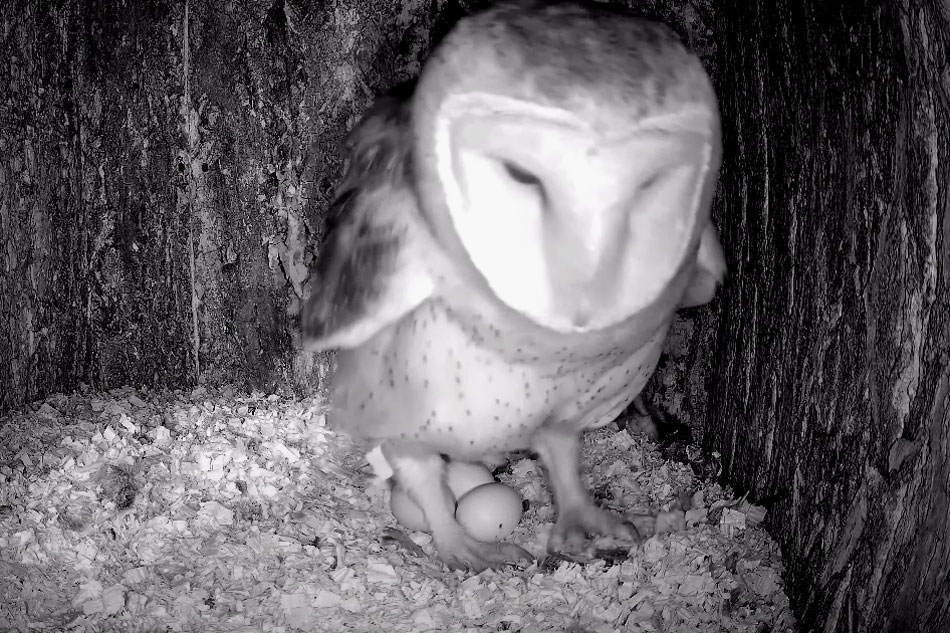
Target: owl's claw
point(575, 524)
point(578, 516)
point(458, 550)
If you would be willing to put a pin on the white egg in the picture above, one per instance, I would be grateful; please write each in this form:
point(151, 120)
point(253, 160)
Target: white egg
point(464, 476)
point(407, 511)
point(490, 512)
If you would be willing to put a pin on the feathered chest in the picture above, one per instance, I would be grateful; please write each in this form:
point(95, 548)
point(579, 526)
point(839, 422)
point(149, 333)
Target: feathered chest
point(466, 386)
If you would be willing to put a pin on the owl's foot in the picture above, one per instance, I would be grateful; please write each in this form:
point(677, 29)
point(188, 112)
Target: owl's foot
point(578, 517)
point(458, 550)
point(575, 524)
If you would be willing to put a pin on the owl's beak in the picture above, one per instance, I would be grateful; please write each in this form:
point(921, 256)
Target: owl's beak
point(583, 255)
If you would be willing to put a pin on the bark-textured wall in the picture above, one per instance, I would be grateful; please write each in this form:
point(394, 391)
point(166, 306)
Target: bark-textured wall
point(830, 399)
point(163, 170)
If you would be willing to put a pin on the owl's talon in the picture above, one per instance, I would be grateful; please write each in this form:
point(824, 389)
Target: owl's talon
point(574, 525)
point(461, 551)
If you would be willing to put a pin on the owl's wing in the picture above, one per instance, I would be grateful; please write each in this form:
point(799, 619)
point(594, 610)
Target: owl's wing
point(372, 268)
point(708, 272)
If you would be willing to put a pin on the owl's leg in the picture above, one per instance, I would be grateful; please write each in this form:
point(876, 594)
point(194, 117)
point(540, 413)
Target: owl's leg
point(578, 516)
point(421, 473)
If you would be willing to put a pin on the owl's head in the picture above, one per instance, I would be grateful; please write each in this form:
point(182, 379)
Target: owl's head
point(567, 155)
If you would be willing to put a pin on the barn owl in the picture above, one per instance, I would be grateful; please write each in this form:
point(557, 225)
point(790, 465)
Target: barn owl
point(508, 247)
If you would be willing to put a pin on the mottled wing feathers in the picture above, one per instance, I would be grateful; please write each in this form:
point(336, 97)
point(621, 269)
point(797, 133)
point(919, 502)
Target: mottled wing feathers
point(371, 269)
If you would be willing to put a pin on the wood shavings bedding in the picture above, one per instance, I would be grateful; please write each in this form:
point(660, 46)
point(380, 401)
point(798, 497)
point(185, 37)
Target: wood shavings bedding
point(216, 511)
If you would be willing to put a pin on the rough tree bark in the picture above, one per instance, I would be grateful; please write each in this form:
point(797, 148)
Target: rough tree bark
point(164, 170)
point(830, 398)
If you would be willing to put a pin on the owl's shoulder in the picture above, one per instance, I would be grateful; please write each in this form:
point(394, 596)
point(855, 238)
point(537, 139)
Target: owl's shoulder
point(377, 261)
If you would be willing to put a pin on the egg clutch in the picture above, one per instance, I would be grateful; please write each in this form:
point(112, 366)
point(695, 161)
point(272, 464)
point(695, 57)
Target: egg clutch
point(488, 510)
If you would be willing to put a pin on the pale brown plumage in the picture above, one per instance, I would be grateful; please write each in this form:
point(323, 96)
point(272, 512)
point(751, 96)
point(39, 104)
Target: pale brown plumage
point(431, 361)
